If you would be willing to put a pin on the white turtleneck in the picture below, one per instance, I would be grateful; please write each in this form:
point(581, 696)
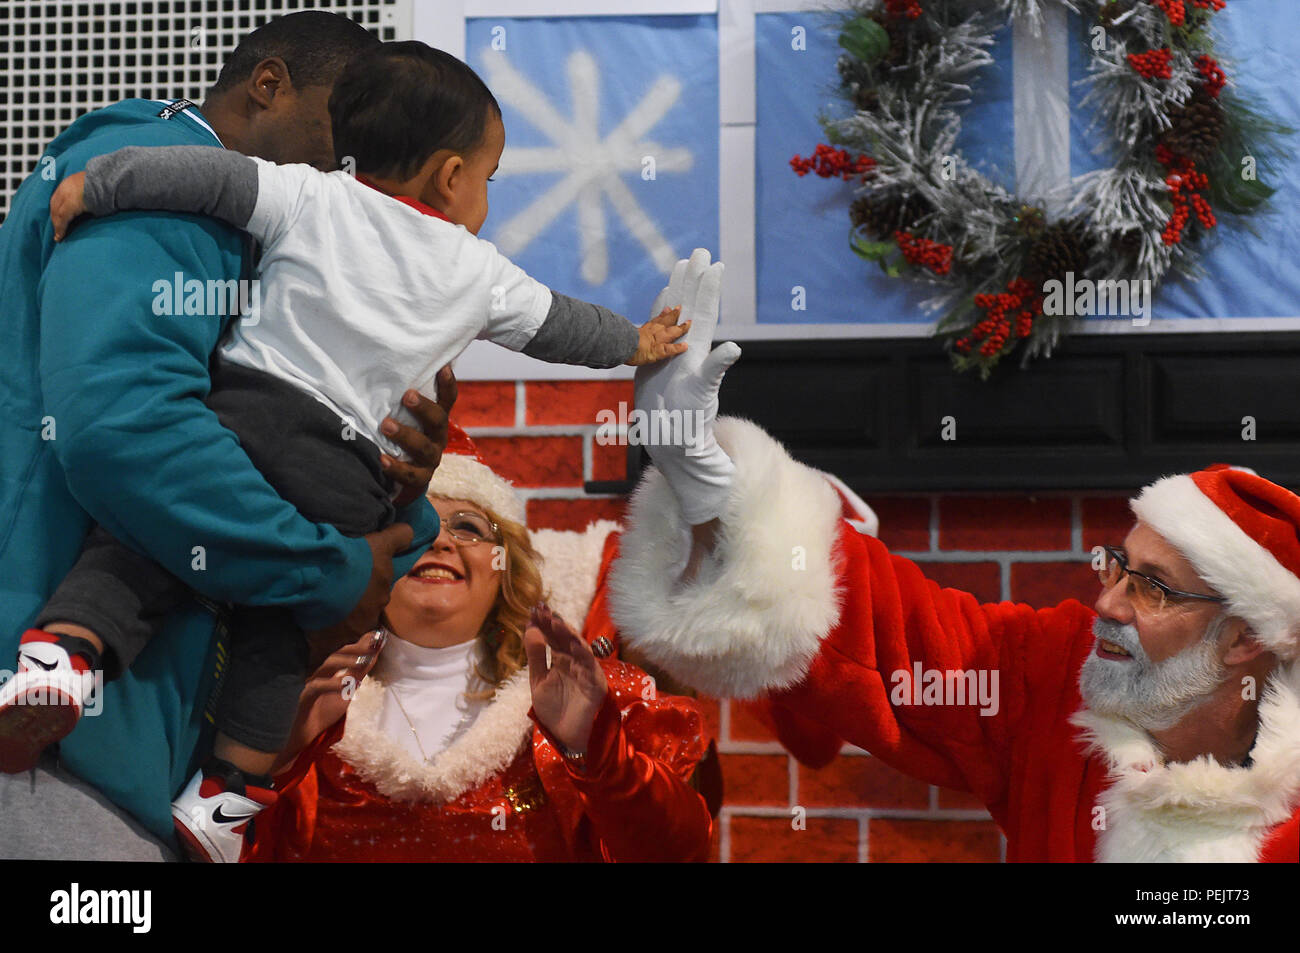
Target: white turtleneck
point(428, 687)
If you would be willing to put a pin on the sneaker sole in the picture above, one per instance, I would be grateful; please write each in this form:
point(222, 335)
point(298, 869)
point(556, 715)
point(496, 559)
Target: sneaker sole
point(192, 845)
point(26, 730)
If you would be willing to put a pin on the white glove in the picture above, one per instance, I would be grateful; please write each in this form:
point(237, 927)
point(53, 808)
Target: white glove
point(679, 397)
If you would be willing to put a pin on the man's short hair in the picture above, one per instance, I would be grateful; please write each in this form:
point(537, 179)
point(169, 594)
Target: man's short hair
point(314, 45)
point(397, 104)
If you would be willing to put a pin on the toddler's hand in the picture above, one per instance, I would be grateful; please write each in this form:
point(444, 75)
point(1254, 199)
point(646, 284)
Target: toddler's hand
point(659, 338)
point(67, 202)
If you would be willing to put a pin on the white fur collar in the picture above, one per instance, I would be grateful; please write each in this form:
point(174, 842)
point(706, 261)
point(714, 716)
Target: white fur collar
point(1197, 811)
point(486, 748)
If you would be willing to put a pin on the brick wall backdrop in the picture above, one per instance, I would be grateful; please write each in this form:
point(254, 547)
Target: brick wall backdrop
point(1037, 549)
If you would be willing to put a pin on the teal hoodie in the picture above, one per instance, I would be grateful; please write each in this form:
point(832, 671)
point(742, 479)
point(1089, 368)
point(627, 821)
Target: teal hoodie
point(102, 419)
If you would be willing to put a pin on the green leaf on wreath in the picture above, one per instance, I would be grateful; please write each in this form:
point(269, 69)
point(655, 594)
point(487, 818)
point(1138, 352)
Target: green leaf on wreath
point(865, 39)
point(872, 251)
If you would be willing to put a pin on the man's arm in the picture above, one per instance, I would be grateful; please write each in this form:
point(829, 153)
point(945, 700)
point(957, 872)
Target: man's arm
point(794, 606)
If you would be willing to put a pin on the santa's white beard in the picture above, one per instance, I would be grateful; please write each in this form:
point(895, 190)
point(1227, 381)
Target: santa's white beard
point(1152, 695)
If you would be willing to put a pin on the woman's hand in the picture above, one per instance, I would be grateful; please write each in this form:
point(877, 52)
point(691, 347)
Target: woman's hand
point(567, 695)
point(328, 692)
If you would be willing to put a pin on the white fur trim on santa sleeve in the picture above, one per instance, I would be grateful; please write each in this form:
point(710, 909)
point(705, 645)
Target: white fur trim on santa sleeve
point(1258, 588)
point(1197, 811)
point(753, 618)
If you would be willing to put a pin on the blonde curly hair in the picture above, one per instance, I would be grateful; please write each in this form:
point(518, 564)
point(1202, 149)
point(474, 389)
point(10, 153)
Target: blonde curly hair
point(502, 636)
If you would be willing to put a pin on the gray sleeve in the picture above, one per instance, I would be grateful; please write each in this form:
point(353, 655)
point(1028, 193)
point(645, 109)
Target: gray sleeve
point(576, 332)
point(202, 179)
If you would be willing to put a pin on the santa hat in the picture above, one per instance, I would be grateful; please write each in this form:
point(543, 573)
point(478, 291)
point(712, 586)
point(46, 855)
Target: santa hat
point(1242, 535)
point(464, 475)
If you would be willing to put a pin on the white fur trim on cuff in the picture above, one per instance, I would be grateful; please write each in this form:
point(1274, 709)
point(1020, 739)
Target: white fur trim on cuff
point(754, 617)
point(1258, 588)
point(570, 565)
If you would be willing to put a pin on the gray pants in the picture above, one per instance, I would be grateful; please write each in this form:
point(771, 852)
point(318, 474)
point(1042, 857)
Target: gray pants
point(331, 475)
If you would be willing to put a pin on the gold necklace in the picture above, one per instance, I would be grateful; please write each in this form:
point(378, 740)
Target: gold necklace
point(415, 734)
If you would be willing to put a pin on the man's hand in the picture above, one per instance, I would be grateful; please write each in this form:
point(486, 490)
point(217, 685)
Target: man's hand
point(658, 338)
point(566, 696)
point(367, 614)
point(425, 445)
point(683, 392)
point(67, 202)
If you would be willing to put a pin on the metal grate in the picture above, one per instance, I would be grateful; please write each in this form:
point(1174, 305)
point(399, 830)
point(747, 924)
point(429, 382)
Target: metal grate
point(61, 59)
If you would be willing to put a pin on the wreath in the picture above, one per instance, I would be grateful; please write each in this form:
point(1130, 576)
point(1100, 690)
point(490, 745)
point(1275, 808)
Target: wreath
point(1187, 150)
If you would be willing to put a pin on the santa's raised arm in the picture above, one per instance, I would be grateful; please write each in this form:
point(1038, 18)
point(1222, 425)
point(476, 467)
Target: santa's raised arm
point(737, 574)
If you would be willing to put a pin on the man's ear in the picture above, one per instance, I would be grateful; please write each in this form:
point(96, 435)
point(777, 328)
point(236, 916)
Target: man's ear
point(269, 79)
point(1242, 645)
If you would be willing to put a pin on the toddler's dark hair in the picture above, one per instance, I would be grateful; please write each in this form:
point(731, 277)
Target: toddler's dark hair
point(395, 105)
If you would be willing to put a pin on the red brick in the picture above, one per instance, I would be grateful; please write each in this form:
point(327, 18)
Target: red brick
point(485, 404)
point(904, 521)
point(1004, 522)
point(574, 514)
point(711, 709)
point(1046, 584)
point(959, 800)
point(1106, 520)
point(896, 841)
point(773, 840)
point(756, 780)
point(573, 402)
point(747, 725)
point(534, 461)
point(715, 843)
point(855, 781)
point(608, 462)
point(982, 580)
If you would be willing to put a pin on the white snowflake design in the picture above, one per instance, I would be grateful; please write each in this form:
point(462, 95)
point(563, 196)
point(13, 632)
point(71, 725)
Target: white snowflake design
point(592, 167)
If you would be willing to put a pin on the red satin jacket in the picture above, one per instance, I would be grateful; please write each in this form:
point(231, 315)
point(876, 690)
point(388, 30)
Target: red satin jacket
point(632, 803)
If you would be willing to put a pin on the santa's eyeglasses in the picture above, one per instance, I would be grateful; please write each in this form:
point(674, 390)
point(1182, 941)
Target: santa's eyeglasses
point(1146, 593)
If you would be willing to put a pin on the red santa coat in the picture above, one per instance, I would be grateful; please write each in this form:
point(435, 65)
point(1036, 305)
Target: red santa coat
point(827, 627)
point(501, 791)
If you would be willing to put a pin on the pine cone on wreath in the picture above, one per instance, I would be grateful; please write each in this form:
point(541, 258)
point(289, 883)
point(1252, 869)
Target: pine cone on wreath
point(1113, 10)
point(881, 217)
point(1058, 251)
point(1196, 127)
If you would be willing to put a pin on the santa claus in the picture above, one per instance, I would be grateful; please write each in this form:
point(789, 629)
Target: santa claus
point(1162, 724)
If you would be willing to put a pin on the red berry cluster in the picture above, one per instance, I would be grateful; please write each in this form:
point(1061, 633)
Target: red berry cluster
point(1153, 64)
point(1215, 78)
point(922, 251)
point(1021, 301)
point(827, 162)
point(1209, 4)
point(1185, 183)
point(1174, 10)
point(903, 8)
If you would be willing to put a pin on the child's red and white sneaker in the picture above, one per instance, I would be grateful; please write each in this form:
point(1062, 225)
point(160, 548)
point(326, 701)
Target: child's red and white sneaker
point(44, 700)
point(215, 812)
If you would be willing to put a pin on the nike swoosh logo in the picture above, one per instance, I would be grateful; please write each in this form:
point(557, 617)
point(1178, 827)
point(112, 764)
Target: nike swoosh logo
point(48, 666)
point(221, 817)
